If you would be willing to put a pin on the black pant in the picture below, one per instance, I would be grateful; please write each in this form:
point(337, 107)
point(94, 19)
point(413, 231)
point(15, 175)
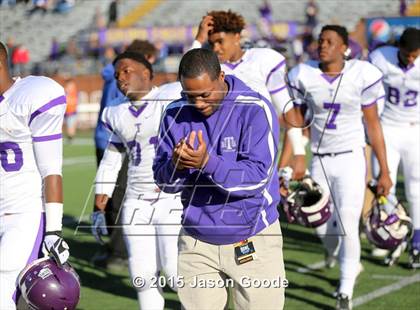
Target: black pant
point(116, 245)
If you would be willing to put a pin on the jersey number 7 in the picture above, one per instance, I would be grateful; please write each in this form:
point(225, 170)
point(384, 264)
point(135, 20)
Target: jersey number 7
point(333, 110)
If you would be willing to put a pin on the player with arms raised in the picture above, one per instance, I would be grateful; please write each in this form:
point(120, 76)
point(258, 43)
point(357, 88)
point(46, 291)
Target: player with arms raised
point(401, 120)
point(150, 218)
point(263, 69)
point(31, 118)
point(340, 93)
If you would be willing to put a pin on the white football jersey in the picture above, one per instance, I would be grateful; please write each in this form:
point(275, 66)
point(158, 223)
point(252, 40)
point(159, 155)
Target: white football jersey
point(337, 102)
point(31, 111)
point(264, 70)
point(402, 86)
point(136, 128)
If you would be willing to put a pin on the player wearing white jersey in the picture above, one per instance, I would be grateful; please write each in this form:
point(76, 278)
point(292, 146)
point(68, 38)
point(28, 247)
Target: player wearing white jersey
point(401, 120)
point(150, 218)
point(31, 117)
point(262, 69)
point(340, 93)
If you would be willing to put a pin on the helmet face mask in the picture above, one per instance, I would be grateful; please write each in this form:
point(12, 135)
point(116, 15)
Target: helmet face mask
point(388, 231)
point(45, 285)
point(307, 204)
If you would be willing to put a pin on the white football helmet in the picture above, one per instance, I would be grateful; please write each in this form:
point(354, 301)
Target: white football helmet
point(388, 223)
point(306, 203)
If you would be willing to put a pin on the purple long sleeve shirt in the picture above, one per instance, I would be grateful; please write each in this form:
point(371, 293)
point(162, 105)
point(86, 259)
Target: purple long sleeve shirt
point(235, 195)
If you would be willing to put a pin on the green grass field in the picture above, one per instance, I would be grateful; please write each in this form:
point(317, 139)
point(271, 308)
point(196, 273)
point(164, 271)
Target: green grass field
point(308, 290)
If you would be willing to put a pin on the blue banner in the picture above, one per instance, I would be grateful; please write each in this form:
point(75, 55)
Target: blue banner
point(386, 29)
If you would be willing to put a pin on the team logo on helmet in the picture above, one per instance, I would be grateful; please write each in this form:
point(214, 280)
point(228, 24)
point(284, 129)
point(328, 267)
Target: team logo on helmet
point(45, 273)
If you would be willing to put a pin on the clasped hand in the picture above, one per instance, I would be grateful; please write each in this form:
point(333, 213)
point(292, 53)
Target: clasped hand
point(185, 156)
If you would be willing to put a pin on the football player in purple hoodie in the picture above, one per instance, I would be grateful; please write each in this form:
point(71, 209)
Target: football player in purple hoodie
point(218, 148)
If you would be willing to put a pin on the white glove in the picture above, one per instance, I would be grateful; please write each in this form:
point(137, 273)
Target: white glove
point(99, 228)
point(55, 245)
point(285, 174)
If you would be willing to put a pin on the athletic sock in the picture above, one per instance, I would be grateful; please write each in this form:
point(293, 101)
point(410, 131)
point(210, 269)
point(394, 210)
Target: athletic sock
point(415, 241)
point(151, 298)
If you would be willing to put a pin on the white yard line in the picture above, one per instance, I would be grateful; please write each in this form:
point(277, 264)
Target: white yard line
point(311, 267)
point(387, 277)
point(386, 290)
point(78, 160)
point(80, 141)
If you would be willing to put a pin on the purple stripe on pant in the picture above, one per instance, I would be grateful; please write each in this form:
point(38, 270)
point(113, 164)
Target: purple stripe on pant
point(36, 250)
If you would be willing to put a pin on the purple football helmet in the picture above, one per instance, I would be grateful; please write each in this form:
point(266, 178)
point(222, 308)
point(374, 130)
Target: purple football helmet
point(307, 203)
point(387, 230)
point(45, 285)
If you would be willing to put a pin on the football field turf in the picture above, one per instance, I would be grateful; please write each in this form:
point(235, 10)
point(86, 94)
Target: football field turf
point(378, 287)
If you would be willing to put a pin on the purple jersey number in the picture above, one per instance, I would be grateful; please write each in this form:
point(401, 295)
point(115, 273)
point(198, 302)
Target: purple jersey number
point(410, 98)
point(335, 108)
point(135, 151)
point(154, 140)
point(394, 97)
point(13, 147)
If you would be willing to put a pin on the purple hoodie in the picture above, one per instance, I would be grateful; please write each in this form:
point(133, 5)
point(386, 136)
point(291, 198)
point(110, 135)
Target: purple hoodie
point(235, 195)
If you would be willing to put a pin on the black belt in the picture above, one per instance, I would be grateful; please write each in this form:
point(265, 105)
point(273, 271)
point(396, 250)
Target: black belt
point(333, 154)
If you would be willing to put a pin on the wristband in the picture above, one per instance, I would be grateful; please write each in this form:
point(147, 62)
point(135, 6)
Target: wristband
point(295, 137)
point(54, 216)
point(305, 140)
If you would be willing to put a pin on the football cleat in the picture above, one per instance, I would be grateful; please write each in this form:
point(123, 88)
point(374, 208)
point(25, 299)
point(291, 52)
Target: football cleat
point(337, 290)
point(330, 261)
point(343, 302)
point(414, 259)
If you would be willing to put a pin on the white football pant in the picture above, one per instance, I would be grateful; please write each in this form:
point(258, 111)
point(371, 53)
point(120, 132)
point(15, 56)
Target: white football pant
point(403, 144)
point(151, 229)
point(21, 236)
point(344, 176)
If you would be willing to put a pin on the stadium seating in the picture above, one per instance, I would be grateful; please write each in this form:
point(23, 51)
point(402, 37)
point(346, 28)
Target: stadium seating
point(37, 31)
point(31, 30)
point(181, 12)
